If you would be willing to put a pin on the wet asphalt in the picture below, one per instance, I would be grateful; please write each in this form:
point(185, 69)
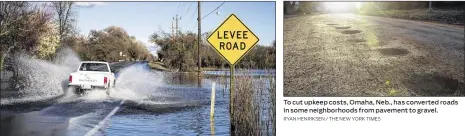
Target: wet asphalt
point(62, 115)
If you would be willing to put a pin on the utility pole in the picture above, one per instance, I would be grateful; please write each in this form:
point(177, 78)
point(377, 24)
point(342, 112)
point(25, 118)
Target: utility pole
point(177, 28)
point(199, 64)
point(172, 31)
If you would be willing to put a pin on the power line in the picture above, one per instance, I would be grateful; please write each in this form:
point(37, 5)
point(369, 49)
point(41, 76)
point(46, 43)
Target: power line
point(190, 19)
point(193, 27)
point(213, 10)
point(182, 11)
point(193, 13)
point(203, 16)
point(183, 8)
point(179, 5)
point(187, 11)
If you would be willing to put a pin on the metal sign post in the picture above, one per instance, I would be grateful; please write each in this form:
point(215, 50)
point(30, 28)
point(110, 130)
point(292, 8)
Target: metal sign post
point(231, 90)
point(232, 40)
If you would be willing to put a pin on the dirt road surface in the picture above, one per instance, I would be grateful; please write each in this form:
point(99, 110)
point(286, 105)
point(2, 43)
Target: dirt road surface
point(353, 55)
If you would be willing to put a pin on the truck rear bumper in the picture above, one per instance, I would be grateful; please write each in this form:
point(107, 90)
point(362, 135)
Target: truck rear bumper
point(88, 86)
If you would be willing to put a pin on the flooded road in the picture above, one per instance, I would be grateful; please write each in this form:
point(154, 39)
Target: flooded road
point(144, 102)
point(353, 55)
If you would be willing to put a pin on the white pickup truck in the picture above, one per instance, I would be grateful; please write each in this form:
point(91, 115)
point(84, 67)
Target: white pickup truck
point(92, 75)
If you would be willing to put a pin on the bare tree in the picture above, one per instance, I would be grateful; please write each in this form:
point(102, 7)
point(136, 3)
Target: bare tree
point(21, 27)
point(10, 14)
point(132, 52)
point(64, 11)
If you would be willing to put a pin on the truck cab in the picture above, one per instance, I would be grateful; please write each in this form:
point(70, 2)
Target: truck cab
point(92, 75)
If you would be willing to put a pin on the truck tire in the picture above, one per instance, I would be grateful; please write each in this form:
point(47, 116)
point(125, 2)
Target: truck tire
point(108, 89)
point(78, 91)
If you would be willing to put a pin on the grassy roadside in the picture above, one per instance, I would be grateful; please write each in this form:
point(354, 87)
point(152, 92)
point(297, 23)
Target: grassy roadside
point(454, 17)
point(158, 66)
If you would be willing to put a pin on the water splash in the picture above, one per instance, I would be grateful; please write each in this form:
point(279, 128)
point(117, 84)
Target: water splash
point(136, 83)
point(43, 80)
point(145, 89)
point(96, 95)
point(67, 58)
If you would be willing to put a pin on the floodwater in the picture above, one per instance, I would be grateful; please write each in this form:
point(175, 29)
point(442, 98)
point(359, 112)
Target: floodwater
point(149, 103)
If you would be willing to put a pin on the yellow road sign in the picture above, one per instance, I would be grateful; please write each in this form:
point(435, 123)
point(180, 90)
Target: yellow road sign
point(232, 39)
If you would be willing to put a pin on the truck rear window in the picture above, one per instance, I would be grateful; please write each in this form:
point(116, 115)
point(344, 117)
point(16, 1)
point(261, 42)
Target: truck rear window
point(94, 67)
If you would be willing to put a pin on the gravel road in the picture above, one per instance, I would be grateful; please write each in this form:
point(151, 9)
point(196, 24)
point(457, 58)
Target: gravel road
point(353, 55)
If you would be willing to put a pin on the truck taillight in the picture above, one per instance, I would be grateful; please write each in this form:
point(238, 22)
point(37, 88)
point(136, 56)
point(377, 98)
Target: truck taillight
point(105, 80)
point(70, 78)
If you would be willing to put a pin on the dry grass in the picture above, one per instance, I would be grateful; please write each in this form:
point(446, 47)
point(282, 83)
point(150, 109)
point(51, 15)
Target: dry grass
point(158, 66)
point(440, 16)
point(254, 106)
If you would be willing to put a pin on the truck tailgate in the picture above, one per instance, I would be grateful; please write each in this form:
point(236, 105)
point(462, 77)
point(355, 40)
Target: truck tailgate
point(89, 78)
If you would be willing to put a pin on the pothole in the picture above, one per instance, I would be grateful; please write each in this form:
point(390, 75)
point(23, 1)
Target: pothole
point(342, 27)
point(447, 82)
point(331, 24)
point(435, 85)
point(393, 51)
point(358, 40)
point(350, 31)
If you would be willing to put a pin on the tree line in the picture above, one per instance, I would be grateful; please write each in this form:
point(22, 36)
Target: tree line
point(110, 44)
point(41, 29)
point(179, 52)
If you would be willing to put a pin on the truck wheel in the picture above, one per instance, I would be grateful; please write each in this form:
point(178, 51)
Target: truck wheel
point(78, 91)
point(108, 89)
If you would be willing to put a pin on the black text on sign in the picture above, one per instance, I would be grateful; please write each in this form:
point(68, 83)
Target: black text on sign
point(234, 35)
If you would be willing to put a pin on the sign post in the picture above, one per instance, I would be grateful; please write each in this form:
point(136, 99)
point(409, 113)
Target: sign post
point(232, 40)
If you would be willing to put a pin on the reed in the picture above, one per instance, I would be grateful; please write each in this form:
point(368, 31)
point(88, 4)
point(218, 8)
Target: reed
point(254, 106)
